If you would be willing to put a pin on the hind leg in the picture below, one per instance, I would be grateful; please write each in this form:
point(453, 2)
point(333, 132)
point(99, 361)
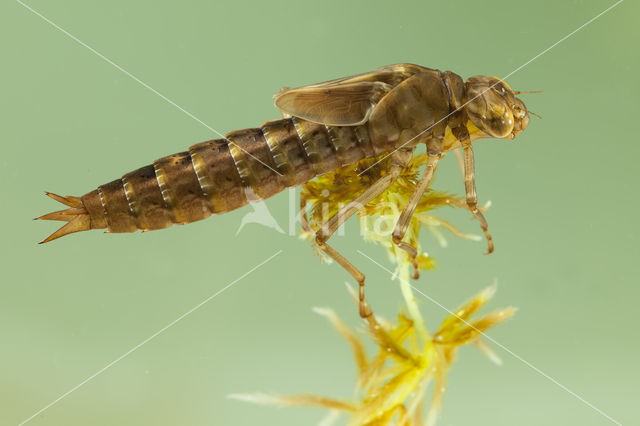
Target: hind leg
point(325, 232)
point(334, 222)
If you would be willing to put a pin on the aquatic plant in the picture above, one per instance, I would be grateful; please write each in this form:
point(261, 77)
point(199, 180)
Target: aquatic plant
point(393, 383)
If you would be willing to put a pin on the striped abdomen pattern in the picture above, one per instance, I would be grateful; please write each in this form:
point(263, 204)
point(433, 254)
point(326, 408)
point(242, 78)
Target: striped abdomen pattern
point(221, 175)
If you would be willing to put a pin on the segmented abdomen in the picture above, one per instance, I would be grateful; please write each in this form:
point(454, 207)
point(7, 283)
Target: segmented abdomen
point(221, 175)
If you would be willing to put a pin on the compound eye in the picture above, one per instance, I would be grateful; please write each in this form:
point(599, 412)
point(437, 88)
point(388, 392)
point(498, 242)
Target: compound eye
point(491, 114)
point(499, 125)
point(502, 88)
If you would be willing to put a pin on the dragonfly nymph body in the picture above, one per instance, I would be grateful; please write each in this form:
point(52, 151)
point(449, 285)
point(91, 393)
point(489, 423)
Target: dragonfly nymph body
point(388, 111)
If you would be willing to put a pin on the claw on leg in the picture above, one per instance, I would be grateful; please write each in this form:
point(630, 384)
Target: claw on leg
point(413, 255)
point(485, 228)
point(364, 309)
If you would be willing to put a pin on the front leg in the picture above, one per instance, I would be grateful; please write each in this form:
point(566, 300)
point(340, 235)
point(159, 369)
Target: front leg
point(462, 134)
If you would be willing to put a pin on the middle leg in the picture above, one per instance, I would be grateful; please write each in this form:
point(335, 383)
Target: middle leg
point(434, 150)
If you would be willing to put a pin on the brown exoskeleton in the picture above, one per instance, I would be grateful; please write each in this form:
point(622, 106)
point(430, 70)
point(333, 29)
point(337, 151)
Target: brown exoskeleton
point(388, 111)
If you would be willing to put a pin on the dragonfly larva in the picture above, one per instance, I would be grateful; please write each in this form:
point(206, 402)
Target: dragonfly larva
point(388, 111)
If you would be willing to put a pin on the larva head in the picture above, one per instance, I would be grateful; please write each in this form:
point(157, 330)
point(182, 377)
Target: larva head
point(492, 106)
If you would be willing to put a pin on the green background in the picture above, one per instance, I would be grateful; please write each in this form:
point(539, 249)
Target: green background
point(564, 215)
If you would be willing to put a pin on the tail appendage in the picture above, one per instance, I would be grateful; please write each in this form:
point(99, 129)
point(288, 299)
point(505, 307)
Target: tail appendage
point(76, 216)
